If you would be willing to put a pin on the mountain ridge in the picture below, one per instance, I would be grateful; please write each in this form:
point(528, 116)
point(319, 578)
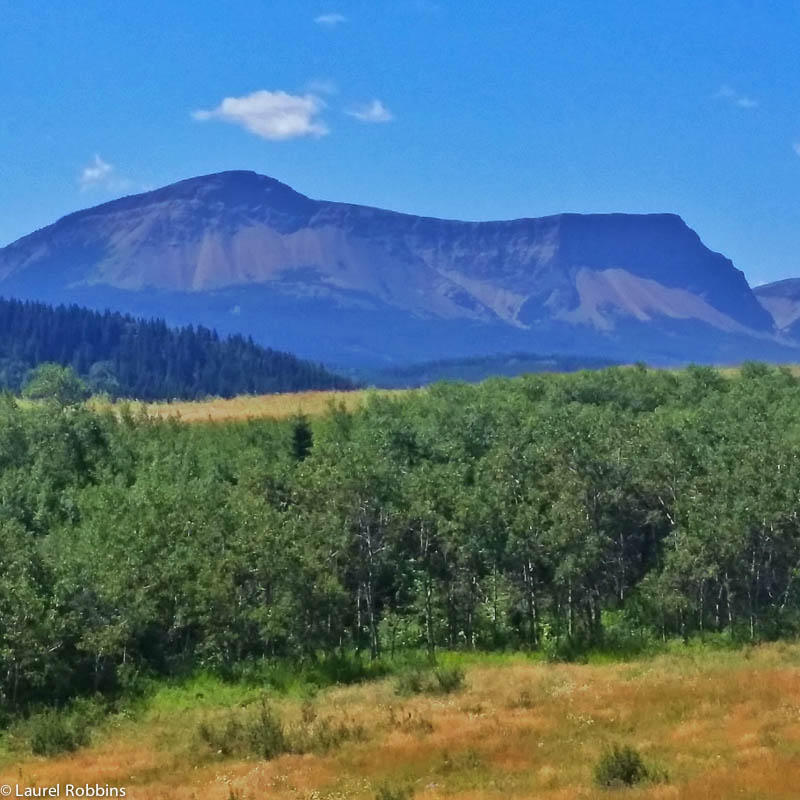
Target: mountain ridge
point(531, 280)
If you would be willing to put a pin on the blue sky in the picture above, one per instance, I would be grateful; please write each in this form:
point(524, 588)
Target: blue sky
point(470, 110)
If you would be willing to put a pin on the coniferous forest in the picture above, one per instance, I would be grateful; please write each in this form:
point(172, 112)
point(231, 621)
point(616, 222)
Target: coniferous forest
point(618, 508)
point(127, 357)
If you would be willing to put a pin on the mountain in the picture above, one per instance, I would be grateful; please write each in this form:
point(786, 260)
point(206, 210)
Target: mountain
point(782, 300)
point(144, 359)
point(355, 285)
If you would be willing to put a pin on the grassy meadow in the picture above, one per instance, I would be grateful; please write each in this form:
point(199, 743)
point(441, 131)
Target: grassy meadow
point(247, 407)
point(287, 404)
point(708, 723)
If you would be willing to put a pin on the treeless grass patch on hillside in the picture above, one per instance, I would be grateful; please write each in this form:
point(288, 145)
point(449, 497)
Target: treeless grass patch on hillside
point(273, 406)
point(707, 724)
point(280, 406)
point(265, 406)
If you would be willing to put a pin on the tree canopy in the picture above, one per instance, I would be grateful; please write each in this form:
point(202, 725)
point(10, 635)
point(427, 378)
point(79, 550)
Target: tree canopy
point(611, 508)
point(54, 382)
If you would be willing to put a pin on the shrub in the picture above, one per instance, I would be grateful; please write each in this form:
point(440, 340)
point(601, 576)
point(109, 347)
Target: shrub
point(54, 732)
point(263, 734)
point(445, 680)
point(308, 713)
point(523, 700)
point(410, 683)
point(266, 733)
point(620, 766)
point(410, 722)
point(449, 679)
point(322, 735)
point(226, 739)
point(394, 793)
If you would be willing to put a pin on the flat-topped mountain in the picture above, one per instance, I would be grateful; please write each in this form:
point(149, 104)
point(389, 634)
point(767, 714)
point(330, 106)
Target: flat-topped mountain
point(350, 284)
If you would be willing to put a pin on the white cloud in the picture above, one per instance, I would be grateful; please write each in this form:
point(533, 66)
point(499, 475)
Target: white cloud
point(735, 98)
point(97, 173)
point(375, 111)
point(271, 115)
point(796, 147)
point(330, 20)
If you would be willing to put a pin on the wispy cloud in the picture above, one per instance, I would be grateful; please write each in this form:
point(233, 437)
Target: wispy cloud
point(99, 174)
point(322, 86)
point(736, 98)
point(375, 111)
point(330, 20)
point(271, 115)
point(796, 147)
point(95, 173)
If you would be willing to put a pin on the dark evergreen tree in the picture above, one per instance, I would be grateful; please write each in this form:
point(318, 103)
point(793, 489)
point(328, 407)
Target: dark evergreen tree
point(144, 359)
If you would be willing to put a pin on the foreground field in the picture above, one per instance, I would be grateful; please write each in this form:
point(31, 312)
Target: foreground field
point(710, 724)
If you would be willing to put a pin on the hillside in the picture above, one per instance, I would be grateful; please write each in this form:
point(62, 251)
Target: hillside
point(145, 359)
point(360, 286)
point(782, 300)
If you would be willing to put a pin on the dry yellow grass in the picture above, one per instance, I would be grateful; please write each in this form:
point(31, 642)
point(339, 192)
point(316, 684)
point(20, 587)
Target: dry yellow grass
point(274, 406)
point(281, 406)
point(721, 726)
point(244, 407)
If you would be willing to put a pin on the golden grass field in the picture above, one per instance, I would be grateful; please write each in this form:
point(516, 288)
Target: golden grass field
point(244, 407)
point(282, 406)
point(720, 724)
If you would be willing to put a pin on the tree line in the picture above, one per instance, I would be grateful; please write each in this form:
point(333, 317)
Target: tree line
point(145, 359)
point(547, 512)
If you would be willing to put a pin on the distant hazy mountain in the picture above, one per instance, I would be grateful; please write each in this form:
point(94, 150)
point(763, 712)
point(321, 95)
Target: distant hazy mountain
point(357, 285)
point(782, 300)
point(475, 369)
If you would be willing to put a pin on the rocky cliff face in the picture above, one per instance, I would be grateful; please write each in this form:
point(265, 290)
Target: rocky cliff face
point(236, 248)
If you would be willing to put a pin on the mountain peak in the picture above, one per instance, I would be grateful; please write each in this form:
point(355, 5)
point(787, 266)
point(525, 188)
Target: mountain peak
point(233, 189)
point(229, 181)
